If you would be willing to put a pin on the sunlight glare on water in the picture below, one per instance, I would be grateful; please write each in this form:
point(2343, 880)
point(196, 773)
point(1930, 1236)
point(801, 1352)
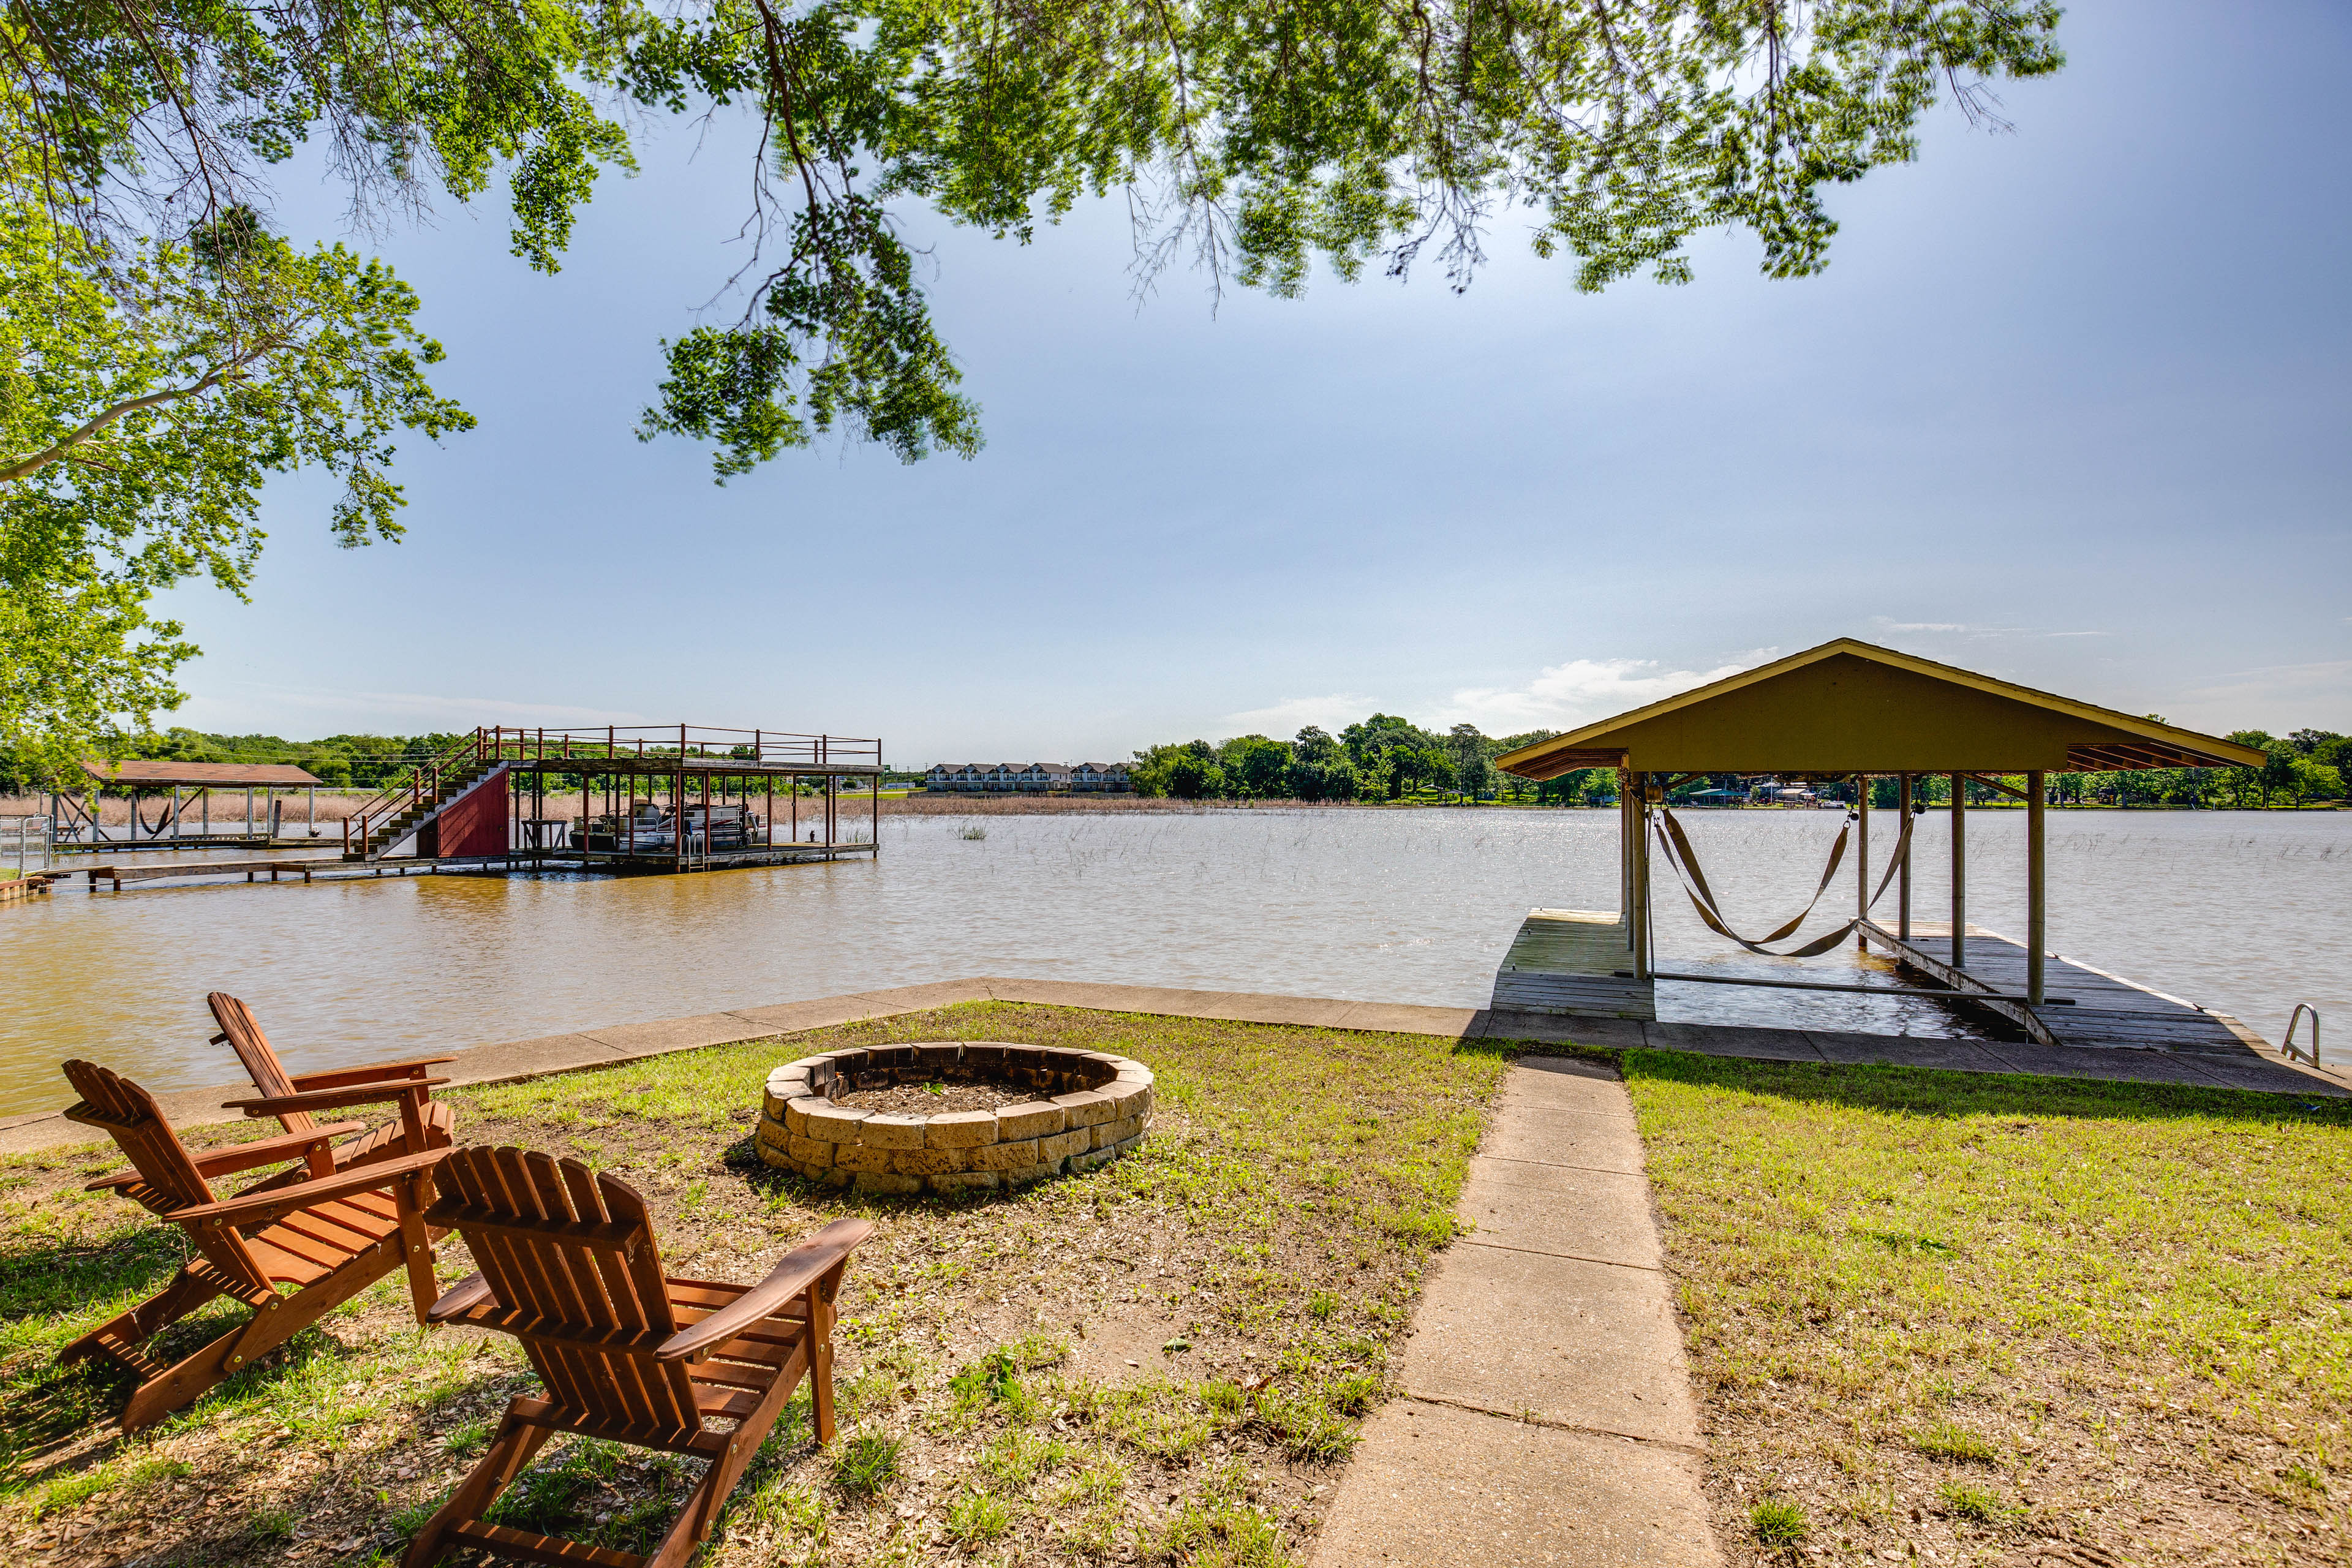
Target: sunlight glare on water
point(2241, 912)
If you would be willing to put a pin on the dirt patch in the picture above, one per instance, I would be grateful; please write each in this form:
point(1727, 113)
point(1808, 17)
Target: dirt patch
point(938, 1098)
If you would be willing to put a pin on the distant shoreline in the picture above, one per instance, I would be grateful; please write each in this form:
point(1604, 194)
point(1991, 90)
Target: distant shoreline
point(333, 806)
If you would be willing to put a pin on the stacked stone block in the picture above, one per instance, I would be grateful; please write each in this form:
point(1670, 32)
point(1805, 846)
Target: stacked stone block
point(1091, 1108)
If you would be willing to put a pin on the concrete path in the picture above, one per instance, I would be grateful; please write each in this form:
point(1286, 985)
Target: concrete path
point(1547, 1417)
point(515, 1059)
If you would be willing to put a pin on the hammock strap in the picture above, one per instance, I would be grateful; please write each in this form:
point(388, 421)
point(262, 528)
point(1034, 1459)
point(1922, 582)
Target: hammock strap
point(1678, 854)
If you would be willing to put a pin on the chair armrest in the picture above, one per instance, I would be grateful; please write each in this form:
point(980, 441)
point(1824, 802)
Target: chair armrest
point(800, 1269)
point(261, 1151)
point(261, 1207)
point(463, 1297)
point(337, 1099)
point(239, 1156)
point(342, 1078)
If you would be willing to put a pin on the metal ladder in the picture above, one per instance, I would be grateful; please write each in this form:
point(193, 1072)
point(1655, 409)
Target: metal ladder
point(2286, 1047)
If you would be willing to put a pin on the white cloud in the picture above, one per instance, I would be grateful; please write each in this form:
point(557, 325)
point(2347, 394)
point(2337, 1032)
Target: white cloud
point(1565, 695)
point(1292, 714)
point(1965, 628)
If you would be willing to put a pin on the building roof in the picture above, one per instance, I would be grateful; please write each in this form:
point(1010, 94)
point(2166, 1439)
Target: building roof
point(219, 775)
point(1850, 706)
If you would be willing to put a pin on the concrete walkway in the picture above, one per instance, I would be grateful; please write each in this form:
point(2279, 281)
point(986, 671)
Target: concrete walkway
point(1546, 1417)
point(515, 1059)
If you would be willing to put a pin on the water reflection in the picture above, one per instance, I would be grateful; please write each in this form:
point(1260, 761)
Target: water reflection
point(2241, 912)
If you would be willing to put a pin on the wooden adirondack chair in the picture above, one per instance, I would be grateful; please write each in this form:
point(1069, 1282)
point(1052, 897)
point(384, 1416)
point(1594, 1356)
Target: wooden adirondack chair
point(571, 1268)
point(422, 1125)
point(329, 1233)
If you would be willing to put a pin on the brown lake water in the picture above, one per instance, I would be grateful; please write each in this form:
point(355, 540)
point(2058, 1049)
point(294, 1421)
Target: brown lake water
point(2246, 913)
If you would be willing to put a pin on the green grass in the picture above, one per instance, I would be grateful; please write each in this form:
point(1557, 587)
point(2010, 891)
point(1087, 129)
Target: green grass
point(1950, 1440)
point(1293, 1186)
point(867, 1463)
point(977, 1518)
point(1912, 1294)
point(1777, 1522)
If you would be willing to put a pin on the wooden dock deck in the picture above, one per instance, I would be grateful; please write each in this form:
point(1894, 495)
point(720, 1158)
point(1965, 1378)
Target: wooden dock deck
point(2083, 1005)
point(517, 861)
point(1574, 963)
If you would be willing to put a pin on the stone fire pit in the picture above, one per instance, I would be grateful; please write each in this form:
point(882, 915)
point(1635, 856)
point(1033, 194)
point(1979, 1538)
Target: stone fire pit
point(1085, 1109)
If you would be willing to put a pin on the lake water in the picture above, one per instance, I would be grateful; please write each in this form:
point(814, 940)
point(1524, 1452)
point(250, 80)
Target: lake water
point(2246, 913)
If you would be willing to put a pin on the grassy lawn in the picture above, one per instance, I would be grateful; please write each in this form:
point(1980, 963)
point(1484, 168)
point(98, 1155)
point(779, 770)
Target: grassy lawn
point(1160, 1362)
point(1969, 1318)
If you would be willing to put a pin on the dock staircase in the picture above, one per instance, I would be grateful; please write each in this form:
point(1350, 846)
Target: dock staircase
point(409, 804)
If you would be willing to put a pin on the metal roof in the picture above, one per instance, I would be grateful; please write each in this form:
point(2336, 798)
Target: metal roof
point(216, 776)
point(1853, 707)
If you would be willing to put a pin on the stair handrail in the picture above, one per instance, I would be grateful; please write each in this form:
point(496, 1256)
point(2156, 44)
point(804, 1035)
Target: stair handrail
point(421, 786)
point(2286, 1047)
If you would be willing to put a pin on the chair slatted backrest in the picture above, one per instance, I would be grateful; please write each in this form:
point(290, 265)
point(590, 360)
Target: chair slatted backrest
point(243, 1032)
point(173, 1181)
point(570, 1256)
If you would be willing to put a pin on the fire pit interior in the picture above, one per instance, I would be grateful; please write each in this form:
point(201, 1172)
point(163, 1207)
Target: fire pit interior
point(951, 1116)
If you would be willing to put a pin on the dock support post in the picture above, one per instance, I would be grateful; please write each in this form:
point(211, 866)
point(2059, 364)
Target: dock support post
point(1640, 907)
point(1902, 913)
point(1626, 848)
point(1960, 872)
point(2035, 909)
point(1861, 856)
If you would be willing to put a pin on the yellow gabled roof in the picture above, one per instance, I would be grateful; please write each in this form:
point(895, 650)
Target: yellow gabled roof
point(1851, 706)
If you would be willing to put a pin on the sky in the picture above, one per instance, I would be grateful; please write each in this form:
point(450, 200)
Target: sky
point(2069, 406)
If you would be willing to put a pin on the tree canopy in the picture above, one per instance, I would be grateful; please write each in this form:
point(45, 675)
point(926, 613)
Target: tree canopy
point(1249, 143)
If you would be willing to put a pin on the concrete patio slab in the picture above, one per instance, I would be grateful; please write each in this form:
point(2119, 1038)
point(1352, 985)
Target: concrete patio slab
point(1590, 1345)
point(1547, 1415)
point(1566, 1083)
point(1598, 1216)
point(2275, 1078)
point(1909, 1051)
point(1432, 1487)
point(514, 1059)
point(1582, 1140)
point(666, 1034)
point(1713, 1040)
point(1393, 1018)
point(1600, 1033)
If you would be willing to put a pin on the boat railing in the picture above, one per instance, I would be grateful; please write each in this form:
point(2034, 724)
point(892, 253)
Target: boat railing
point(701, 749)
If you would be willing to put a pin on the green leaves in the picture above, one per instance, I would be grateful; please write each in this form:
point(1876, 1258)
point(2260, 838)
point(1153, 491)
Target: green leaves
point(884, 374)
point(147, 391)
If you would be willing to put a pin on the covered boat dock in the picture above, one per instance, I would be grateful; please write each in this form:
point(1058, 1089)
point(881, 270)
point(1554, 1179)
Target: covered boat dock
point(174, 791)
point(1850, 711)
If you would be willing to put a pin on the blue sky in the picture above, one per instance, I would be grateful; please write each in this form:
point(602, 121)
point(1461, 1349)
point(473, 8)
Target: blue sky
point(2070, 406)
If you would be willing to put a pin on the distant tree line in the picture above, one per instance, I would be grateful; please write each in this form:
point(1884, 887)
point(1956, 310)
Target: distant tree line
point(1387, 758)
point(342, 761)
point(1382, 758)
point(2306, 765)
